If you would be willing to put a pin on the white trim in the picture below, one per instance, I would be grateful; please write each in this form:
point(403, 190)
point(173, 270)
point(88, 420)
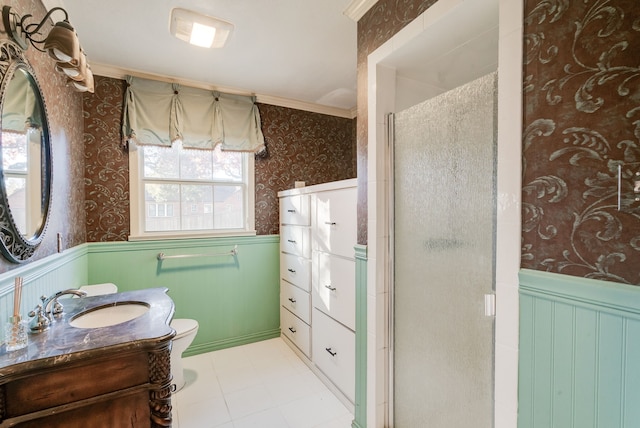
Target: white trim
point(120, 73)
point(357, 9)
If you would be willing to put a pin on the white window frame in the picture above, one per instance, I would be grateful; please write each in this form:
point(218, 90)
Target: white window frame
point(137, 205)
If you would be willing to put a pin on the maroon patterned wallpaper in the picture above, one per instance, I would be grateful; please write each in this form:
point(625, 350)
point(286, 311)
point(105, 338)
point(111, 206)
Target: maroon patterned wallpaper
point(301, 146)
point(106, 172)
point(64, 109)
point(581, 120)
point(378, 25)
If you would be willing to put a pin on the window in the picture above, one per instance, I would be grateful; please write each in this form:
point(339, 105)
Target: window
point(177, 192)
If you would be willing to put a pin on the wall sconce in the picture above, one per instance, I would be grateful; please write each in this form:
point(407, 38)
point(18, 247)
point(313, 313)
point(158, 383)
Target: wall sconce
point(61, 44)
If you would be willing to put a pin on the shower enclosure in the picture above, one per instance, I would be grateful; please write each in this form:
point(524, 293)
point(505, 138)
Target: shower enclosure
point(444, 158)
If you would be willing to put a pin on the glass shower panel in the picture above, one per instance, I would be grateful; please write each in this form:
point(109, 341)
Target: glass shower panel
point(444, 251)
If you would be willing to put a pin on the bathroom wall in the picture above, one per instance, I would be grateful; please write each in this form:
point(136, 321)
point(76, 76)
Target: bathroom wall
point(581, 120)
point(64, 110)
point(378, 25)
point(301, 146)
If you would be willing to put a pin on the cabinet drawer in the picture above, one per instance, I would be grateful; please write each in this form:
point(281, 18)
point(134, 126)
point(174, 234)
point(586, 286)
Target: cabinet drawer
point(296, 300)
point(295, 210)
point(334, 352)
point(336, 222)
point(295, 240)
point(296, 330)
point(334, 287)
point(296, 270)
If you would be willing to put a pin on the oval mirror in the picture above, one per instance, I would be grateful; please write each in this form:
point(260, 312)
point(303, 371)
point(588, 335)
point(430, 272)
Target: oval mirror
point(25, 156)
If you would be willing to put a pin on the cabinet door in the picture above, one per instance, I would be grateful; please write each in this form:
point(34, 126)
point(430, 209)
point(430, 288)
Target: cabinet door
point(295, 210)
point(334, 352)
point(296, 330)
point(295, 240)
point(335, 228)
point(296, 300)
point(334, 290)
point(296, 270)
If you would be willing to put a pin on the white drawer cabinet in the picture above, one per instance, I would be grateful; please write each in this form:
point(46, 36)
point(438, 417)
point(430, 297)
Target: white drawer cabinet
point(295, 300)
point(296, 330)
point(335, 230)
point(334, 352)
point(296, 270)
point(295, 240)
point(317, 280)
point(295, 210)
point(334, 291)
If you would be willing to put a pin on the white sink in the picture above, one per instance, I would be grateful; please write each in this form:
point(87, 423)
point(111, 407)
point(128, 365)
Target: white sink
point(108, 315)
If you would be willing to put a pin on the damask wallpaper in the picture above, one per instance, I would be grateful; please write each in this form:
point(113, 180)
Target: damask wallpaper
point(64, 114)
point(301, 146)
point(581, 120)
point(106, 163)
point(378, 25)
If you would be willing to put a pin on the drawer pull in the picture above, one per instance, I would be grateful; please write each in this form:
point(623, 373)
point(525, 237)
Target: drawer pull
point(292, 330)
point(330, 223)
point(292, 300)
point(291, 241)
point(333, 354)
point(291, 270)
point(330, 287)
point(291, 211)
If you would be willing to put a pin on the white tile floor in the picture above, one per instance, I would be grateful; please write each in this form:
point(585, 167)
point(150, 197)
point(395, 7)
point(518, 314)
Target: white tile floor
point(260, 385)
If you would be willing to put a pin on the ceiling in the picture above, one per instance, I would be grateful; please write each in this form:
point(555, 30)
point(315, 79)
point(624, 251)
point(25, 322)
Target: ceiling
point(298, 50)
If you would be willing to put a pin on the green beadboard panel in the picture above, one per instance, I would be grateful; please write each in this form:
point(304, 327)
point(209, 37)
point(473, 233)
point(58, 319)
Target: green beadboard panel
point(579, 352)
point(43, 277)
point(360, 414)
point(235, 299)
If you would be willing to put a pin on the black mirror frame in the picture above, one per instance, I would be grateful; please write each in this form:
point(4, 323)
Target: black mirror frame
point(15, 247)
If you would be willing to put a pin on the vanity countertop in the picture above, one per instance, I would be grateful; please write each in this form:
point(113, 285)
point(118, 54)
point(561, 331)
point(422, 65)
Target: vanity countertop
point(61, 343)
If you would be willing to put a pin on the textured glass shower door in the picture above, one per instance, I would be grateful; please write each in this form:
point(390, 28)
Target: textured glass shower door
point(444, 258)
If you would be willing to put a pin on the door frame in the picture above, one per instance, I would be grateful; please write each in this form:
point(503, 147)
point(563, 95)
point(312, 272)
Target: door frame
point(381, 86)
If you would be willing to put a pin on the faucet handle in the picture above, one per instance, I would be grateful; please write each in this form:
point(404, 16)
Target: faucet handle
point(57, 307)
point(39, 322)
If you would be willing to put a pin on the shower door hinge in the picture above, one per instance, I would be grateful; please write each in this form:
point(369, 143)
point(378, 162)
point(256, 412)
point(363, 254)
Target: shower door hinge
point(490, 305)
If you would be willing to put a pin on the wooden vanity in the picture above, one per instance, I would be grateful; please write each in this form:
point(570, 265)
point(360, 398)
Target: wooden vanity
point(108, 377)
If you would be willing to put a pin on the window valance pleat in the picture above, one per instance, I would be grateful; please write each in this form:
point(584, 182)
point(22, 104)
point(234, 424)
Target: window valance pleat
point(159, 113)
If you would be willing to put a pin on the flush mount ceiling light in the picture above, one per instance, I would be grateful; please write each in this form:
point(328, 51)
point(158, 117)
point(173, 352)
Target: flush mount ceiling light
point(199, 30)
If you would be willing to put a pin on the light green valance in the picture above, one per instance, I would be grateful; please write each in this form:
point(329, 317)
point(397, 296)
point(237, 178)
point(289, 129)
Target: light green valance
point(159, 113)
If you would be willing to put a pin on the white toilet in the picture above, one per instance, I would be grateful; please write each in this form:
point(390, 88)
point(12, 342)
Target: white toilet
point(186, 330)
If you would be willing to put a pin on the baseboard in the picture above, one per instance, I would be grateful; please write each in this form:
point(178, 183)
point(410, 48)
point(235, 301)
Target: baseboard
point(228, 343)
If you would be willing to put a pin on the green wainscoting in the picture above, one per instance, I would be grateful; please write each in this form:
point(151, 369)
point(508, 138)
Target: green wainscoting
point(360, 414)
point(43, 277)
point(579, 352)
point(235, 299)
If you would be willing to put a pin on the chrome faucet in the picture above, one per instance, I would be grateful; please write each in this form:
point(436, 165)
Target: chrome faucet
point(43, 313)
point(57, 306)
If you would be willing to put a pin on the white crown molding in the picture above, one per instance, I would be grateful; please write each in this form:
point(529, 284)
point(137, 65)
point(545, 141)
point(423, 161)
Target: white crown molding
point(357, 8)
point(121, 73)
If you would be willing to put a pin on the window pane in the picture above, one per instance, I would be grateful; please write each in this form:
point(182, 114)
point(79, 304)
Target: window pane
point(17, 196)
point(166, 195)
point(228, 207)
point(196, 165)
point(14, 151)
point(194, 198)
point(227, 165)
point(160, 162)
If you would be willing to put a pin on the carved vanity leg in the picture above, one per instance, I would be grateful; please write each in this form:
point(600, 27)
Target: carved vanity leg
point(160, 391)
